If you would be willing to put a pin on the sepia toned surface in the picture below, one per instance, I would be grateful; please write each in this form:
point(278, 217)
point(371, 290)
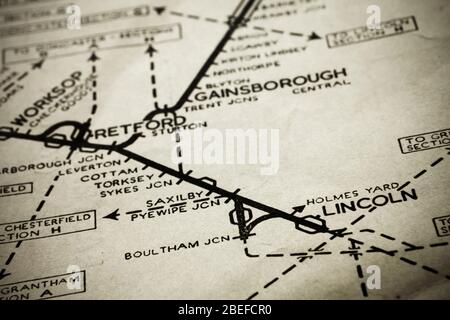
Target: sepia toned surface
point(350, 199)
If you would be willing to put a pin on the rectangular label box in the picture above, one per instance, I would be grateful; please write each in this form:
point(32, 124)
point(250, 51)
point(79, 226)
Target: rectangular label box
point(16, 189)
point(86, 19)
point(34, 13)
point(361, 34)
point(425, 141)
point(15, 3)
point(45, 288)
point(442, 226)
point(48, 227)
point(102, 41)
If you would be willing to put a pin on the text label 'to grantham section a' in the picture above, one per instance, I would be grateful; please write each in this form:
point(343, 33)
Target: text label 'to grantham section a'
point(45, 288)
point(48, 227)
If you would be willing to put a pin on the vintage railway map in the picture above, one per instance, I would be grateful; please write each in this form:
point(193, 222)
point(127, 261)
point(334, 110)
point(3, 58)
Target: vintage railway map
point(227, 149)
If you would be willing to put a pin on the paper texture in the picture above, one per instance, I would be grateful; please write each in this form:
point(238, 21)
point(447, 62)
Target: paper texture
point(225, 149)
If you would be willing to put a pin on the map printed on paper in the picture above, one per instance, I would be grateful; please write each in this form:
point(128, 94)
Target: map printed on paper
point(227, 149)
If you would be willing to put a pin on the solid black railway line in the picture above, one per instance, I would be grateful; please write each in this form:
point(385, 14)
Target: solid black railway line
point(300, 222)
point(241, 15)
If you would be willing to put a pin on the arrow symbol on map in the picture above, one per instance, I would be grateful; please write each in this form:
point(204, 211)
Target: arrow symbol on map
point(3, 274)
point(37, 65)
point(93, 57)
point(298, 209)
point(150, 50)
point(113, 215)
point(313, 36)
point(159, 10)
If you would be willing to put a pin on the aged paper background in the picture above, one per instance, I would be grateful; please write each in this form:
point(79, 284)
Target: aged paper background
point(371, 135)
